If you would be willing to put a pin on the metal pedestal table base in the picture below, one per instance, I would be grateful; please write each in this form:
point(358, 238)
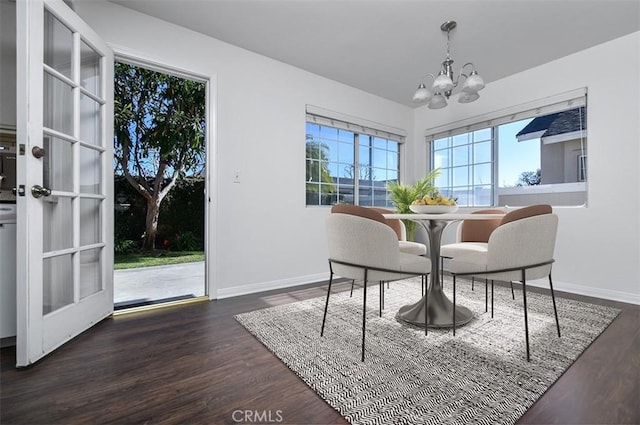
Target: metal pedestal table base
point(439, 312)
point(439, 307)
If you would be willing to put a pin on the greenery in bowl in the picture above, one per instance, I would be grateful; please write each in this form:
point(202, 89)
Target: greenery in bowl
point(403, 195)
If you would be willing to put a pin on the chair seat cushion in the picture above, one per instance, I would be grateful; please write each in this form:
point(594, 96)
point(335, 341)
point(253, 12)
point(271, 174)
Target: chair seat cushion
point(409, 263)
point(469, 262)
point(414, 248)
point(454, 250)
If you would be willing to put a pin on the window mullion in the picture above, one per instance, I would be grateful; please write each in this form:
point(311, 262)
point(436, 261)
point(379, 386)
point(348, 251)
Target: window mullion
point(356, 169)
point(495, 155)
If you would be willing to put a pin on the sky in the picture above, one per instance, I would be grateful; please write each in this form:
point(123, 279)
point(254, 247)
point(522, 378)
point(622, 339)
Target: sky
point(515, 157)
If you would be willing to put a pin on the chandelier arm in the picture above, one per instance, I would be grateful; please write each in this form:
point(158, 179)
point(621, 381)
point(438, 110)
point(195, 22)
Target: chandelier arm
point(460, 74)
point(428, 75)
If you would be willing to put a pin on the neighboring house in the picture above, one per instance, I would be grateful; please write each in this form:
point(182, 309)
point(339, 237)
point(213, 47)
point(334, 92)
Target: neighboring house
point(563, 161)
point(563, 148)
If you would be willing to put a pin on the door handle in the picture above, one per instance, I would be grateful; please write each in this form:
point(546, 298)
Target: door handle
point(38, 191)
point(38, 152)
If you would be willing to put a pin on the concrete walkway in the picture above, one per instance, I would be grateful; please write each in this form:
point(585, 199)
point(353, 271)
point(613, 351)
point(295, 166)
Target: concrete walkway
point(149, 285)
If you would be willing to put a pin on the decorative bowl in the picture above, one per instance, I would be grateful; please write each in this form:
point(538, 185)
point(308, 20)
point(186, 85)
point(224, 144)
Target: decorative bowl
point(433, 209)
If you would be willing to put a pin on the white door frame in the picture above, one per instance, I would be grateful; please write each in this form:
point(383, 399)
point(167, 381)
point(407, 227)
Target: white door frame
point(127, 55)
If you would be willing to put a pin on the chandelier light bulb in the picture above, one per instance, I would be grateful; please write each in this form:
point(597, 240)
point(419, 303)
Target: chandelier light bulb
point(437, 101)
point(443, 83)
point(422, 94)
point(474, 83)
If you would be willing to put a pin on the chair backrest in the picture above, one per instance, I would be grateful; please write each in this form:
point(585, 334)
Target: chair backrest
point(525, 212)
point(527, 241)
point(479, 230)
point(372, 213)
point(396, 224)
point(360, 240)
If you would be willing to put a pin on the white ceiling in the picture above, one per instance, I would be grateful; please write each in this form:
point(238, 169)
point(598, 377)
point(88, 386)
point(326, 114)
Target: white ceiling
point(385, 47)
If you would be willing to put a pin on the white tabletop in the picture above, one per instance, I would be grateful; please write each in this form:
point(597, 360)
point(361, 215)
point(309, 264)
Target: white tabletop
point(447, 216)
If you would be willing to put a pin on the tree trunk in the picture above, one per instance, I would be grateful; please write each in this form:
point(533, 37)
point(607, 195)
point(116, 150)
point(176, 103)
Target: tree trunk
point(153, 212)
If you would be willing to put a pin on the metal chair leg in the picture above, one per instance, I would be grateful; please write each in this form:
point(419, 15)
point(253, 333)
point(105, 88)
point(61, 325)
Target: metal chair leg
point(364, 311)
point(513, 295)
point(326, 304)
point(473, 281)
point(526, 319)
point(426, 296)
point(353, 282)
point(492, 298)
point(486, 296)
point(555, 311)
point(454, 305)
point(381, 286)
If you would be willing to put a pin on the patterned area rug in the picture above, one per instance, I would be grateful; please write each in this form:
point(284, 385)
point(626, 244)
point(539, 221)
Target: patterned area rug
point(479, 376)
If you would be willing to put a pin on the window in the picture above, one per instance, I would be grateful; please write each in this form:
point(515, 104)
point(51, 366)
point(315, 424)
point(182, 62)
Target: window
point(535, 155)
point(466, 165)
point(349, 163)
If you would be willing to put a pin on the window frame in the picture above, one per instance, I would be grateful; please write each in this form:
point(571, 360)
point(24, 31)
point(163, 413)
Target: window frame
point(360, 128)
point(573, 99)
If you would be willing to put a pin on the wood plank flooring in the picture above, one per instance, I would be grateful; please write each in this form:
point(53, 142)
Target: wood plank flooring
point(195, 364)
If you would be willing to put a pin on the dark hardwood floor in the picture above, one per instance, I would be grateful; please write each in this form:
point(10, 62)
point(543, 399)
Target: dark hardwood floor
point(195, 364)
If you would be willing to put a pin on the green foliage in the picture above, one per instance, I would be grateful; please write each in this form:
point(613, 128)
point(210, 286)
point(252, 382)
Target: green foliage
point(159, 134)
point(155, 258)
point(181, 211)
point(159, 122)
point(126, 246)
point(320, 186)
point(403, 195)
point(318, 166)
point(185, 241)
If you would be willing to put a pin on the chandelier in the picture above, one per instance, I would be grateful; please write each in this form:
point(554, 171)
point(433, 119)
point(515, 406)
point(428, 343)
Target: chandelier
point(443, 83)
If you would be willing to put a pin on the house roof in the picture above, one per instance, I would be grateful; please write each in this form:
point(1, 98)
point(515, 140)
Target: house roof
point(554, 124)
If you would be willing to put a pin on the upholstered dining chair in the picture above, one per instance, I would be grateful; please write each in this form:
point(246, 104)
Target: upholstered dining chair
point(364, 249)
point(517, 250)
point(374, 213)
point(477, 230)
point(398, 226)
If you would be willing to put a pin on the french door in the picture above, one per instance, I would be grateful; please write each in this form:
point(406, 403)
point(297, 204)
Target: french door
point(65, 178)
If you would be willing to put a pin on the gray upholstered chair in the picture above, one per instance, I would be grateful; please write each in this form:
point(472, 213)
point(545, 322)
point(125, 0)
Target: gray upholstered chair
point(364, 249)
point(517, 250)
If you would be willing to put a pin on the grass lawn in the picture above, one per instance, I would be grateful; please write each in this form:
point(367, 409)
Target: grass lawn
point(155, 258)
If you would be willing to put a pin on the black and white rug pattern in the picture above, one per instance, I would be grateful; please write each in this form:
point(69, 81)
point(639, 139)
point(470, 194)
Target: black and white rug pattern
point(479, 376)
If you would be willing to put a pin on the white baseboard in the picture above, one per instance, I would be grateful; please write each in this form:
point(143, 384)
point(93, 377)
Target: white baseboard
point(625, 297)
point(572, 288)
point(268, 286)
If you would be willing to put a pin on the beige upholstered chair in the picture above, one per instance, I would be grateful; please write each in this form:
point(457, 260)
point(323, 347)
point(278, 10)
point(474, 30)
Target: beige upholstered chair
point(473, 232)
point(398, 226)
point(373, 213)
point(364, 249)
point(517, 250)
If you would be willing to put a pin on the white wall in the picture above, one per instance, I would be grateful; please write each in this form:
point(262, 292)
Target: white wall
point(598, 248)
point(263, 235)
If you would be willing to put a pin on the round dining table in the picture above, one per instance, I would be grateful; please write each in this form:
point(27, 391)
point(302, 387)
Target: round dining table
point(439, 307)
